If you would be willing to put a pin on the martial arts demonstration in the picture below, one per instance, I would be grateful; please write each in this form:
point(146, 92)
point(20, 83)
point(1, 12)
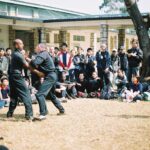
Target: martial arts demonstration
point(43, 66)
point(61, 75)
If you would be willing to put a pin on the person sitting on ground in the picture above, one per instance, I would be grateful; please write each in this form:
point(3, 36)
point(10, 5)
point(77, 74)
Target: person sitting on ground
point(81, 86)
point(70, 86)
point(134, 92)
point(120, 81)
point(61, 92)
point(94, 85)
point(5, 92)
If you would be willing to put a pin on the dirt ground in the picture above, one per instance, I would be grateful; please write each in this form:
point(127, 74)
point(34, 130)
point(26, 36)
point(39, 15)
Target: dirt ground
point(88, 125)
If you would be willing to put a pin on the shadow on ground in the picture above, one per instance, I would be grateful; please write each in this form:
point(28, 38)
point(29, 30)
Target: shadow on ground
point(128, 116)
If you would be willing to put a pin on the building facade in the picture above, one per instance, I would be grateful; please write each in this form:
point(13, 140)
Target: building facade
point(37, 23)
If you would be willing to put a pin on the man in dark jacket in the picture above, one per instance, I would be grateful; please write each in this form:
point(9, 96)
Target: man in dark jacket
point(79, 62)
point(43, 62)
point(103, 63)
point(135, 56)
point(123, 60)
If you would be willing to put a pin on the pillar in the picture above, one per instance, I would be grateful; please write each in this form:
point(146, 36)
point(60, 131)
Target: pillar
point(104, 33)
point(12, 36)
point(121, 37)
point(93, 41)
point(42, 35)
point(36, 37)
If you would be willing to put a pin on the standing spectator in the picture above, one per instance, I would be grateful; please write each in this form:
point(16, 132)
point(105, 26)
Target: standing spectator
point(90, 62)
point(135, 56)
point(103, 63)
point(3, 63)
point(123, 60)
point(56, 59)
point(65, 60)
point(72, 67)
point(8, 56)
point(79, 62)
point(115, 64)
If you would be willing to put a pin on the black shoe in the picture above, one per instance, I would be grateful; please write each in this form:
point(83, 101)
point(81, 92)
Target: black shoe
point(73, 96)
point(61, 113)
point(30, 118)
point(9, 115)
point(69, 97)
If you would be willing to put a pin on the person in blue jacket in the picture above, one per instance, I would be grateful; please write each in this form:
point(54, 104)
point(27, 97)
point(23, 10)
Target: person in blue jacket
point(103, 63)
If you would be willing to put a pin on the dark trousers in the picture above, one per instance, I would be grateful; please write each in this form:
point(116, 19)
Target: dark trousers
point(104, 76)
point(133, 71)
point(45, 89)
point(18, 89)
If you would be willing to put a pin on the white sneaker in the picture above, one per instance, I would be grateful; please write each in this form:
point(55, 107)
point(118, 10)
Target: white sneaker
point(40, 117)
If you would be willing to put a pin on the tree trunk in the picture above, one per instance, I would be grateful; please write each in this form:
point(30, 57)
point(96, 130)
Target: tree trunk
point(142, 33)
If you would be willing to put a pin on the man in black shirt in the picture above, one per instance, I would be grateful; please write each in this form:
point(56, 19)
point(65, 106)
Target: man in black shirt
point(135, 56)
point(18, 88)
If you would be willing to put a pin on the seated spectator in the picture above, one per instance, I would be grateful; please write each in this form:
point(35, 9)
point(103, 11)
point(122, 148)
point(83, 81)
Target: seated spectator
point(61, 92)
point(81, 86)
point(70, 86)
point(134, 92)
point(94, 85)
point(120, 81)
point(5, 99)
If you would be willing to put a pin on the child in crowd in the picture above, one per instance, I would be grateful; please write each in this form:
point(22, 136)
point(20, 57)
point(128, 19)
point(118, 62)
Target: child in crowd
point(5, 99)
point(120, 81)
point(134, 92)
point(81, 86)
point(70, 86)
point(94, 85)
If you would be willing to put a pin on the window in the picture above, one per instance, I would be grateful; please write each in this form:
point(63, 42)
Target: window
point(56, 38)
point(98, 40)
point(78, 38)
point(3, 9)
point(47, 38)
point(127, 44)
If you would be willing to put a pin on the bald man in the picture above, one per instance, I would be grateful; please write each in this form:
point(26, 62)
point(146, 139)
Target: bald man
point(18, 88)
point(44, 63)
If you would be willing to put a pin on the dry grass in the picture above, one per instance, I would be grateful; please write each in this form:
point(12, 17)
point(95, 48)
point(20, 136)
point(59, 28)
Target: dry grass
point(88, 125)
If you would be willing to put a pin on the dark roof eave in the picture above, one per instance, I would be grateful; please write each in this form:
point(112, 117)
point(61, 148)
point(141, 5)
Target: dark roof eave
point(105, 17)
